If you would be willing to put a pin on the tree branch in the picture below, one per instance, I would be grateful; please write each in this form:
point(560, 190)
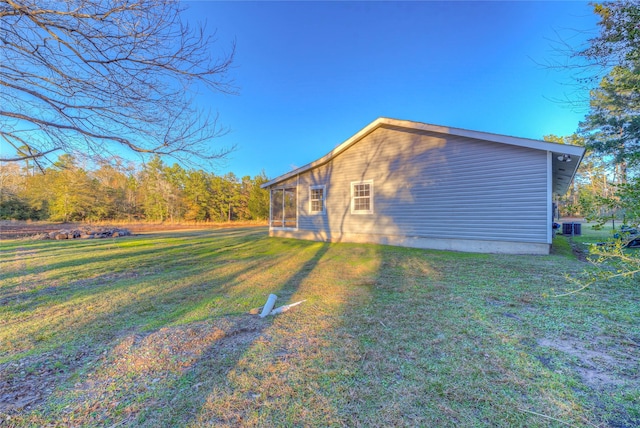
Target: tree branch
point(31, 156)
point(106, 71)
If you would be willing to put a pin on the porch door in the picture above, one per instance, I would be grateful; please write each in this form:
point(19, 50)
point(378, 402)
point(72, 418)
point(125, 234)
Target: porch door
point(284, 208)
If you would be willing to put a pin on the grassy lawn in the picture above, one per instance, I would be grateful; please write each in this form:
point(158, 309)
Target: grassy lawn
point(157, 330)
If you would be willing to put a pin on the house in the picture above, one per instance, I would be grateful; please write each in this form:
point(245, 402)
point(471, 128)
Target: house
point(413, 184)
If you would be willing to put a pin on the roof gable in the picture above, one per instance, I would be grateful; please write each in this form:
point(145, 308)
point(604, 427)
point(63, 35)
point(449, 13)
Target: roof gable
point(563, 171)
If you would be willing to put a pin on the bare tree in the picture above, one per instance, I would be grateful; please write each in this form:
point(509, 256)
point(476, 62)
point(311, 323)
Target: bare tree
point(590, 55)
point(97, 76)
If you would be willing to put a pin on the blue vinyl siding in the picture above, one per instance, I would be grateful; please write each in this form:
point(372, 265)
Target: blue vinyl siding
point(433, 185)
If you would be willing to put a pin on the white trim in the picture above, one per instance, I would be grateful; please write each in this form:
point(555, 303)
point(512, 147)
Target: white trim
point(371, 197)
point(549, 197)
point(297, 200)
point(324, 199)
point(270, 203)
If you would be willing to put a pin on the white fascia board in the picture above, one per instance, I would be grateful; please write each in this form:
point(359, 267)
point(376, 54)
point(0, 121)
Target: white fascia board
point(487, 136)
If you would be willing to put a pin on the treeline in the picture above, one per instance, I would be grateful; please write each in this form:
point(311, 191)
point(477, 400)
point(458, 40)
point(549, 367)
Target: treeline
point(155, 191)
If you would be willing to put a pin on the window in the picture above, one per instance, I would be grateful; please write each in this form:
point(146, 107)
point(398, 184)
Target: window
point(284, 208)
point(362, 197)
point(316, 199)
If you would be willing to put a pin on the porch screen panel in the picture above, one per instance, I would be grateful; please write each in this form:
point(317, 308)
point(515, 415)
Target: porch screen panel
point(277, 199)
point(290, 208)
point(284, 208)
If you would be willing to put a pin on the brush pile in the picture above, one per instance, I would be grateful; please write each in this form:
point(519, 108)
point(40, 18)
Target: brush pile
point(87, 232)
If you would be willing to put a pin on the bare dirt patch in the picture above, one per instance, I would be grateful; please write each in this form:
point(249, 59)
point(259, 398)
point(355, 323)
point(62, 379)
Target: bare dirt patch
point(137, 363)
point(13, 229)
point(579, 250)
point(31, 380)
point(597, 365)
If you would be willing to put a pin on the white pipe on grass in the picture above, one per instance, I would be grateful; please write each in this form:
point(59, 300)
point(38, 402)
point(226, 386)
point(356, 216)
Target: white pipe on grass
point(285, 308)
point(271, 301)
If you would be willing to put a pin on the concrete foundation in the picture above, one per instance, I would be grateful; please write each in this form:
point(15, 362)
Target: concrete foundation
point(463, 245)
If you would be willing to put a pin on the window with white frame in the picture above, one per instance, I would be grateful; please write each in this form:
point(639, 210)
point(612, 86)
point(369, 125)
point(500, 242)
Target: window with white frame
point(362, 197)
point(317, 195)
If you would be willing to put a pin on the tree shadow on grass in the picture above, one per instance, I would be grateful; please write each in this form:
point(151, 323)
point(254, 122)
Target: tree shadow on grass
point(41, 357)
point(208, 376)
point(101, 253)
point(151, 354)
point(97, 310)
point(102, 270)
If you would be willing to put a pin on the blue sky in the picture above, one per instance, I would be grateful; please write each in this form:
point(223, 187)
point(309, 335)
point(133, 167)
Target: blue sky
point(311, 74)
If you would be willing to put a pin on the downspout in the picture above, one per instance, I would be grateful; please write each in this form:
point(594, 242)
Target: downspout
point(297, 200)
point(549, 221)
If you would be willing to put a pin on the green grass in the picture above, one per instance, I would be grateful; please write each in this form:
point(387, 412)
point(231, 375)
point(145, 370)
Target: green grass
point(592, 233)
point(156, 330)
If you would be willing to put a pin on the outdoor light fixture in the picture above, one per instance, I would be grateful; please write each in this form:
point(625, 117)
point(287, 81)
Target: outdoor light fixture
point(564, 158)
